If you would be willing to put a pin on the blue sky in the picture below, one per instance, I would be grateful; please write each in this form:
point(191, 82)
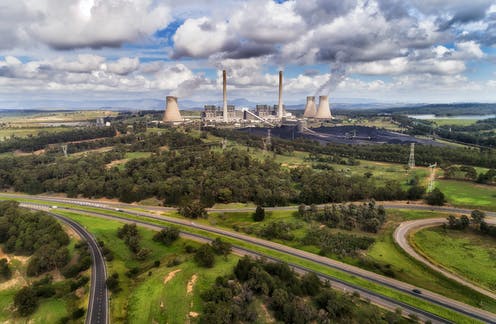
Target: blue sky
point(382, 50)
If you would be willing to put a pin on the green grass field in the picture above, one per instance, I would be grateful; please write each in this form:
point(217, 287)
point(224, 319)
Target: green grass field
point(31, 119)
point(141, 299)
point(406, 269)
point(364, 283)
point(6, 133)
point(155, 301)
point(379, 122)
point(474, 300)
point(468, 254)
point(468, 194)
point(456, 122)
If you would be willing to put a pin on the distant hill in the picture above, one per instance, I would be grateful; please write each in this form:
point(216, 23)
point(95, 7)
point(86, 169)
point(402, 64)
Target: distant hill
point(446, 109)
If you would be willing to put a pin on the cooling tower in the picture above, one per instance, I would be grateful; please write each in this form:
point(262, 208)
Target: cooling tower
point(224, 90)
point(310, 109)
point(324, 110)
point(172, 113)
point(280, 111)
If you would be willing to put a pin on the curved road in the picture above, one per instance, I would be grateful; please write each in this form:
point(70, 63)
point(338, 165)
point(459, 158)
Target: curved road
point(378, 299)
point(401, 236)
point(98, 302)
point(440, 300)
point(434, 298)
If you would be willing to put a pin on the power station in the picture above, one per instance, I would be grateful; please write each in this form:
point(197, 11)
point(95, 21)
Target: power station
point(172, 114)
point(227, 114)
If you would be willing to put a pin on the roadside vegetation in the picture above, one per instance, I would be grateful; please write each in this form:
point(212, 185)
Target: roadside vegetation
point(376, 252)
point(287, 298)
point(43, 274)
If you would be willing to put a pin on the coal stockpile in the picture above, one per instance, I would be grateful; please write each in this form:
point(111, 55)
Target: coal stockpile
point(361, 135)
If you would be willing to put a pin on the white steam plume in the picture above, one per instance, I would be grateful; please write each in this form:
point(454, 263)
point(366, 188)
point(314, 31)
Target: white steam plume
point(338, 73)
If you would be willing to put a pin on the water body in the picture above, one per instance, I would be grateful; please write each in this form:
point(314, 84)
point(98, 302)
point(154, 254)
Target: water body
point(471, 117)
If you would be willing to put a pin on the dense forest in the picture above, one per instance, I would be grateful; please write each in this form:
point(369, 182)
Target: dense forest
point(189, 174)
point(182, 169)
point(289, 297)
point(444, 109)
point(41, 237)
point(34, 234)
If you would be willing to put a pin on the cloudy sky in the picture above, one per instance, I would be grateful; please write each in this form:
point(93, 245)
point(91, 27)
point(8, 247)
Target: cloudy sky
point(383, 50)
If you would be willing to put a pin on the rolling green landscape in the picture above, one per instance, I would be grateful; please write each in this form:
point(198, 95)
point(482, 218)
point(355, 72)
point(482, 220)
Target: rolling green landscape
point(467, 254)
point(161, 167)
point(469, 195)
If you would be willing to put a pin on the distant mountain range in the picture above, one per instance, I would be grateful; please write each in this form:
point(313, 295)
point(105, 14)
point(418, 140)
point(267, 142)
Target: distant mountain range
point(157, 104)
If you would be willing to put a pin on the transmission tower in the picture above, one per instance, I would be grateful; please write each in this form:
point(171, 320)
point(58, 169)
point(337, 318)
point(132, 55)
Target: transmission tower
point(411, 159)
point(267, 141)
point(432, 177)
point(64, 149)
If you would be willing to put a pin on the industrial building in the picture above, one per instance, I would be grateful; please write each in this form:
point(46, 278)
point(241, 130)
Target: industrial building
point(228, 114)
point(262, 114)
point(172, 114)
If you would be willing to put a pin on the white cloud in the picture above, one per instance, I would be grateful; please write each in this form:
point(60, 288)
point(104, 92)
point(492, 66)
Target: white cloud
point(266, 21)
point(202, 37)
point(124, 65)
point(76, 24)
point(470, 50)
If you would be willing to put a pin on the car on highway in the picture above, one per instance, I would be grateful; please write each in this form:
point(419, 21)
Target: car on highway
point(417, 291)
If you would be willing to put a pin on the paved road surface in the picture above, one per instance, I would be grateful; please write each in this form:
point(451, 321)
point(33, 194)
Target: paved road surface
point(389, 282)
point(401, 237)
point(378, 299)
point(98, 302)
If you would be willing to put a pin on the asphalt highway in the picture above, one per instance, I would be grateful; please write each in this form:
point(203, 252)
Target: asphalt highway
point(375, 298)
point(434, 298)
point(98, 307)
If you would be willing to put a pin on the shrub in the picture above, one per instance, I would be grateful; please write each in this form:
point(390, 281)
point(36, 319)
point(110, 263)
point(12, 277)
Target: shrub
point(25, 301)
point(167, 235)
point(259, 214)
point(435, 197)
point(205, 256)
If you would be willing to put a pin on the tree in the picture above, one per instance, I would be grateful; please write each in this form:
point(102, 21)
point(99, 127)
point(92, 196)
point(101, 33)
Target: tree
point(259, 214)
point(25, 301)
point(113, 283)
point(167, 235)
point(477, 217)
point(415, 192)
point(435, 197)
point(220, 247)
point(5, 271)
point(205, 256)
point(193, 209)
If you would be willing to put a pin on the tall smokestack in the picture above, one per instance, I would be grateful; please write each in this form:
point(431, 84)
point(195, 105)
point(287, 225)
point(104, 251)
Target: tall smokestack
point(224, 90)
point(172, 113)
point(280, 110)
point(310, 109)
point(324, 110)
